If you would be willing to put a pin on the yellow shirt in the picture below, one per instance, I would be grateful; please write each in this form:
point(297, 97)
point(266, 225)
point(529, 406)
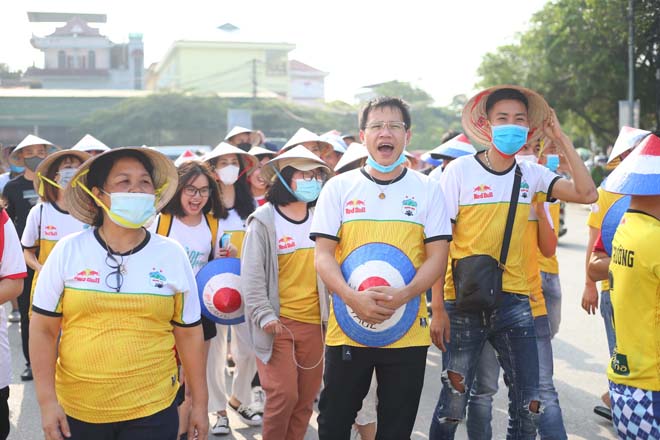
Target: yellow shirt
point(550, 264)
point(635, 292)
point(46, 224)
point(299, 296)
point(536, 299)
point(411, 214)
point(235, 226)
point(116, 357)
point(595, 219)
point(478, 201)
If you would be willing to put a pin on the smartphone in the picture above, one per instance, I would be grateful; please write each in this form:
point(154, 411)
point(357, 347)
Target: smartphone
point(224, 240)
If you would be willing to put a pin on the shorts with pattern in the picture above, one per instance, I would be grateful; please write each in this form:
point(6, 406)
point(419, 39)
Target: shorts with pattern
point(635, 412)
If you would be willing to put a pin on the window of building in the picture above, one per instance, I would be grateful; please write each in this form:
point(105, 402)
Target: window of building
point(61, 59)
point(276, 63)
point(92, 59)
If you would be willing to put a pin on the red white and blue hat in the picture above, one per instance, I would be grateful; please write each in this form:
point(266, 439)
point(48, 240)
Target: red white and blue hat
point(628, 139)
point(455, 147)
point(639, 173)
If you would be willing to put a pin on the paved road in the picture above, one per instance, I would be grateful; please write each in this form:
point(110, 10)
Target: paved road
point(580, 358)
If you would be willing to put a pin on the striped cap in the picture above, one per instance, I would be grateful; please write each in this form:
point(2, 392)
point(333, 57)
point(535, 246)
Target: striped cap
point(639, 173)
point(455, 147)
point(627, 140)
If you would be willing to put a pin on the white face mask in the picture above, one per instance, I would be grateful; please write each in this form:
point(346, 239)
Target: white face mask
point(527, 158)
point(229, 174)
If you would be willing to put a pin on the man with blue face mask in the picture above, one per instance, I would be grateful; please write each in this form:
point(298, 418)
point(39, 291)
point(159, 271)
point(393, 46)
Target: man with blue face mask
point(489, 198)
point(382, 236)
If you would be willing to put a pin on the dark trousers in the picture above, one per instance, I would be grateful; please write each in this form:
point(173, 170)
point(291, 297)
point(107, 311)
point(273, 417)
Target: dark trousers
point(160, 426)
point(4, 413)
point(24, 308)
point(347, 377)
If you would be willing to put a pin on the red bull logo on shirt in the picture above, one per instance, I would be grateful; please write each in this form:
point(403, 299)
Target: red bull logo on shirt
point(355, 206)
point(88, 276)
point(482, 192)
point(50, 230)
point(285, 243)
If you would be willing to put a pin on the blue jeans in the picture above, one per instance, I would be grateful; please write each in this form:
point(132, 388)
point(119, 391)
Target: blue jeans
point(606, 312)
point(552, 293)
point(551, 423)
point(480, 406)
point(510, 330)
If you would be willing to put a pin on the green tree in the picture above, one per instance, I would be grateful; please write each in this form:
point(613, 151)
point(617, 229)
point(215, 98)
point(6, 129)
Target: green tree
point(574, 53)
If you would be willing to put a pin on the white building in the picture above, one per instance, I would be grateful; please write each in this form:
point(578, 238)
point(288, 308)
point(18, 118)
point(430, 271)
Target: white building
point(307, 84)
point(77, 56)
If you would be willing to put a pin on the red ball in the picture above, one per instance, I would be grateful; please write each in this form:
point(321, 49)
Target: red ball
point(227, 300)
point(372, 282)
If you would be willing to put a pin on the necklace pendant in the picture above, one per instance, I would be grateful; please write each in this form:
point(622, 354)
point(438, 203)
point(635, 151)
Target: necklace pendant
point(122, 269)
point(381, 195)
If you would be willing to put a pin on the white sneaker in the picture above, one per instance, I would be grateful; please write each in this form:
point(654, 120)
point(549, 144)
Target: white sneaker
point(221, 426)
point(247, 415)
point(258, 400)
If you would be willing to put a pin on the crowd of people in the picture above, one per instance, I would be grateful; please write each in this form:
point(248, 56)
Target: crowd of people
point(354, 258)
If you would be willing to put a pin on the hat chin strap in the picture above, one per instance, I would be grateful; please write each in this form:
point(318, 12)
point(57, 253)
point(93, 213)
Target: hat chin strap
point(41, 178)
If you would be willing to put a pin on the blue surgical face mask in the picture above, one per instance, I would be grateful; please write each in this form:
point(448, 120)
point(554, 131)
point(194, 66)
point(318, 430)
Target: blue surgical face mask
point(131, 210)
point(552, 162)
point(66, 174)
point(15, 169)
point(306, 190)
point(510, 138)
point(385, 169)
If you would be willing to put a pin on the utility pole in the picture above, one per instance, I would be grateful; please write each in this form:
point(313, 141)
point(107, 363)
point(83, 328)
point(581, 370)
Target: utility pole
point(631, 62)
point(254, 79)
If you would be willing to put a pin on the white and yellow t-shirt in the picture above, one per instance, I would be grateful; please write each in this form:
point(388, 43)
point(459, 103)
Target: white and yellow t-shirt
point(12, 267)
point(235, 226)
point(595, 220)
point(531, 249)
point(550, 264)
point(412, 214)
point(116, 354)
point(196, 240)
point(299, 298)
point(478, 201)
point(635, 293)
point(46, 224)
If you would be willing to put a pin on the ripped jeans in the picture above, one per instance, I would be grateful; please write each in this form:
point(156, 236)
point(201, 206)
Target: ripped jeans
point(510, 330)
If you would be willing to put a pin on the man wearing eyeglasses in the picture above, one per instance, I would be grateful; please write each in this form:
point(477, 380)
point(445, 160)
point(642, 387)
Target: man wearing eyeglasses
point(382, 237)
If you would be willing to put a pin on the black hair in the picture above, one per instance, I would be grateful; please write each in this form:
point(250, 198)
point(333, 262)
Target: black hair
point(385, 101)
point(188, 172)
point(505, 94)
point(278, 194)
point(244, 203)
point(99, 171)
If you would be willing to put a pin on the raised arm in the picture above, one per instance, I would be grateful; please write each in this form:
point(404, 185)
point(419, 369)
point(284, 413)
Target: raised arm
point(581, 189)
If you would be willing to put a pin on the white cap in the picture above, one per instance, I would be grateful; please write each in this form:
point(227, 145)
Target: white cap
point(354, 152)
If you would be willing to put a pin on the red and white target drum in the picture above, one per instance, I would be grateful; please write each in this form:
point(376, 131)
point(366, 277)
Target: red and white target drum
point(218, 286)
point(370, 265)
